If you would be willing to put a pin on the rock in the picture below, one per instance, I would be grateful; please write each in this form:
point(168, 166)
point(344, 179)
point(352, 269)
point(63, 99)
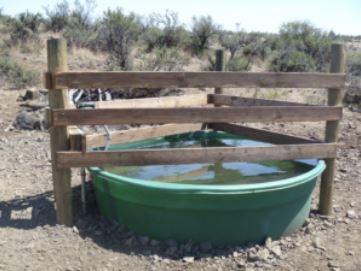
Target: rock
point(171, 243)
point(188, 259)
point(333, 264)
point(154, 243)
point(31, 94)
point(144, 240)
point(276, 250)
point(268, 243)
point(27, 120)
point(261, 255)
point(205, 246)
point(171, 251)
point(351, 214)
point(156, 258)
point(129, 242)
point(75, 229)
point(317, 243)
point(241, 262)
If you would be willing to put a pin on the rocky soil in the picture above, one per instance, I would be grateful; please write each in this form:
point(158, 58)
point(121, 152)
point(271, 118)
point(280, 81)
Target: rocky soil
point(30, 239)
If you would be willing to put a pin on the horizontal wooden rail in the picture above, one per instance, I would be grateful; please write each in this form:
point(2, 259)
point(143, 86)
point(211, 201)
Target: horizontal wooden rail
point(124, 136)
point(159, 102)
point(196, 80)
point(260, 134)
point(229, 100)
point(195, 155)
point(61, 117)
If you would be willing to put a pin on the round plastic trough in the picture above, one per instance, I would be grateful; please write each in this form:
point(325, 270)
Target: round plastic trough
point(220, 214)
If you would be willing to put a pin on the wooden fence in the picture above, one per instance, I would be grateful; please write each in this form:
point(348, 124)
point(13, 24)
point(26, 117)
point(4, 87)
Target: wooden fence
point(70, 148)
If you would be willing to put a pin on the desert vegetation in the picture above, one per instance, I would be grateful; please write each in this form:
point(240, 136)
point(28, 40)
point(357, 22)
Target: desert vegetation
point(160, 41)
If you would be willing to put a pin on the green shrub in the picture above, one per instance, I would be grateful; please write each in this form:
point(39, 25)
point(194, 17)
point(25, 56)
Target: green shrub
point(58, 17)
point(237, 64)
point(80, 30)
point(232, 41)
point(164, 30)
point(203, 29)
point(293, 61)
point(17, 75)
point(164, 59)
point(311, 42)
point(117, 35)
point(24, 27)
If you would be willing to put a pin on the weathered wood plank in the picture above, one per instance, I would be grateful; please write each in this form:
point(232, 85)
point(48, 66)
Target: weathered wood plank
point(194, 115)
point(260, 134)
point(228, 100)
point(124, 136)
point(75, 138)
point(195, 155)
point(160, 102)
point(199, 79)
point(59, 136)
point(338, 60)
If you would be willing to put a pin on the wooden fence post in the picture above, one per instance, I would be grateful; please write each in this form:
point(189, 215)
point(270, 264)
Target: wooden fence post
point(57, 62)
point(219, 67)
point(332, 127)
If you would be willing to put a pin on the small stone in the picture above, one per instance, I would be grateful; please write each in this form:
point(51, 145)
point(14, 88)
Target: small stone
point(268, 243)
point(333, 264)
point(75, 229)
point(317, 243)
point(154, 243)
point(188, 259)
point(205, 246)
point(351, 214)
point(171, 251)
point(261, 255)
point(98, 233)
point(171, 243)
point(276, 250)
point(129, 242)
point(241, 263)
point(144, 240)
point(156, 257)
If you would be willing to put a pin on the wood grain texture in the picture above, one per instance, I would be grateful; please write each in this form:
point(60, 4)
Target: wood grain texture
point(57, 62)
point(195, 155)
point(75, 138)
point(161, 102)
point(259, 134)
point(229, 100)
point(194, 115)
point(124, 136)
point(199, 80)
point(335, 95)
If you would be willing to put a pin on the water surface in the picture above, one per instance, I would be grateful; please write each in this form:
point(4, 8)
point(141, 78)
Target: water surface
point(212, 173)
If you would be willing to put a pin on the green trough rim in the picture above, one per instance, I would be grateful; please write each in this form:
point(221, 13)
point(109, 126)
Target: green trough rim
point(214, 189)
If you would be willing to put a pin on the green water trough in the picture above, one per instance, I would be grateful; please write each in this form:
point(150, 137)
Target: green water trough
point(227, 203)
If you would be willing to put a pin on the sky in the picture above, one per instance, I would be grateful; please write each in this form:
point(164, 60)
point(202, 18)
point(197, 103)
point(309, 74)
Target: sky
point(341, 16)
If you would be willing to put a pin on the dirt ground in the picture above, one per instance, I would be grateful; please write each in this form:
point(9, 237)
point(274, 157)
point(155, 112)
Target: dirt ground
point(30, 239)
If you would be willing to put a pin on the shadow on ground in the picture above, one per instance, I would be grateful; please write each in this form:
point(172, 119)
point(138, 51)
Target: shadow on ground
point(37, 211)
point(28, 213)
